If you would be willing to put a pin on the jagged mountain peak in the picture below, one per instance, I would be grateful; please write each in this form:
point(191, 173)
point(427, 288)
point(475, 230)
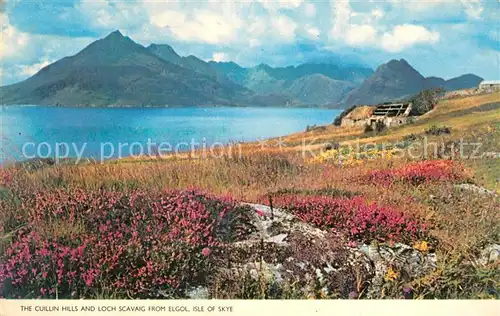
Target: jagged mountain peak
point(165, 52)
point(397, 65)
point(397, 79)
point(115, 34)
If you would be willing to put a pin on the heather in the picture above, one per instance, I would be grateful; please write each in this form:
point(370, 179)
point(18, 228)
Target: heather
point(356, 218)
point(133, 244)
point(421, 172)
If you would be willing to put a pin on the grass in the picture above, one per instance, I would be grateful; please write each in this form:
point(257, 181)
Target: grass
point(461, 222)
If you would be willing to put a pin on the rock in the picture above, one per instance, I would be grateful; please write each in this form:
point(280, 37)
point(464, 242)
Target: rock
point(490, 254)
point(198, 293)
point(399, 256)
point(279, 239)
point(285, 249)
point(474, 188)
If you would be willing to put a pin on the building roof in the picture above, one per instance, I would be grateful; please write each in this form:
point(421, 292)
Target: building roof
point(392, 109)
point(490, 82)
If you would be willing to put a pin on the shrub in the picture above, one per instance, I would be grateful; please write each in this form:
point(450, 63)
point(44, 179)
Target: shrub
point(410, 138)
point(437, 130)
point(326, 191)
point(425, 101)
point(355, 217)
point(136, 244)
point(420, 172)
point(311, 128)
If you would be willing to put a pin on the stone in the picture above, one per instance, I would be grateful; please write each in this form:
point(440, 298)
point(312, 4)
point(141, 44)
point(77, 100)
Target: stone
point(490, 254)
point(198, 293)
point(474, 188)
point(279, 239)
point(334, 260)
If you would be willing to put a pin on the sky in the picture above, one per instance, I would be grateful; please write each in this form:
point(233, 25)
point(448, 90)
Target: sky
point(444, 38)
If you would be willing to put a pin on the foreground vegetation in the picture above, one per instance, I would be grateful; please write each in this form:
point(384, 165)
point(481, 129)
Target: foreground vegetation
point(157, 228)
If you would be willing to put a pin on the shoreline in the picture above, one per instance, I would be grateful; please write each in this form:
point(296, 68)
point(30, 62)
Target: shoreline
point(319, 107)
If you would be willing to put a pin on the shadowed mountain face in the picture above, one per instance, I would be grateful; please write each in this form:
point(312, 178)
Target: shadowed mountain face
point(319, 84)
point(116, 71)
point(397, 79)
point(167, 53)
point(463, 82)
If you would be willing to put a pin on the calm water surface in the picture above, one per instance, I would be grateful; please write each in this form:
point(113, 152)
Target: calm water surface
point(37, 130)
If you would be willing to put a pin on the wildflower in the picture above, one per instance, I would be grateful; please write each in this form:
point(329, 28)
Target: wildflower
point(420, 172)
point(422, 246)
point(407, 292)
point(391, 275)
point(359, 220)
point(206, 251)
point(352, 244)
point(260, 213)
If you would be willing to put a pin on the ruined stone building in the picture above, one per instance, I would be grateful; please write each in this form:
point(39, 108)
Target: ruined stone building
point(391, 114)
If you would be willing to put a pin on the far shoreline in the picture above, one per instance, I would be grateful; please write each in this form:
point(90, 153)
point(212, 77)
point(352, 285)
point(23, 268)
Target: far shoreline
point(117, 106)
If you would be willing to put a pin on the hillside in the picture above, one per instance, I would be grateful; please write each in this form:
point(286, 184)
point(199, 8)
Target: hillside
point(319, 89)
point(310, 83)
point(397, 79)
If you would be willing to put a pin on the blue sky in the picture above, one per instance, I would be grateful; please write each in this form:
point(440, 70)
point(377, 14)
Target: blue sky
point(438, 37)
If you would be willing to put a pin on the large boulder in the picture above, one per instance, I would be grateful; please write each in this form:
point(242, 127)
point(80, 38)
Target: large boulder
point(285, 252)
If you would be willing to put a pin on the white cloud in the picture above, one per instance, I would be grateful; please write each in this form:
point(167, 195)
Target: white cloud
point(473, 9)
point(23, 54)
point(312, 32)
point(200, 25)
point(11, 40)
point(258, 27)
point(419, 5)
point(377, 13)
point(285, 27)
point(108, 14)
point(371, 33)
point(360, 35)
point(30, 70)
point(310, 10)
point(168, 18)
point(220, 56)
point(407, 35)
point(208, 27)
point(280, 4)
point(341, 11)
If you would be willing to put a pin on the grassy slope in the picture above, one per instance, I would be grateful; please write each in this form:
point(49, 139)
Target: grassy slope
point(248, 177)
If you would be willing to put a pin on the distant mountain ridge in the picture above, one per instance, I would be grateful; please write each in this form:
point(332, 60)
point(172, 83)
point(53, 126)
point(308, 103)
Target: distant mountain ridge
point(298, 82)
point(116, 71)
point(398, 79)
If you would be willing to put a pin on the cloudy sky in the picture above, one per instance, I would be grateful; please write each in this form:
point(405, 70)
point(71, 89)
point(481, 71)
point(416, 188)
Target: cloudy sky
point(438, 37)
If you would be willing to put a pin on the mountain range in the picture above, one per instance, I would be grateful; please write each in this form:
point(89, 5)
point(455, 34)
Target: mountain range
point(397, 80)
point(116, 71)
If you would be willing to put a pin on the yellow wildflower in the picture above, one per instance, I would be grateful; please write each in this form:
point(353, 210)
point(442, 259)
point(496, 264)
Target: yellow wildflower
point(422, 246)
point(353, 158)
point(391, 275)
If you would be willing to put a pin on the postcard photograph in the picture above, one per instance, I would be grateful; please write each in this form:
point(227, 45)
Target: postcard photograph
point(202, 151)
